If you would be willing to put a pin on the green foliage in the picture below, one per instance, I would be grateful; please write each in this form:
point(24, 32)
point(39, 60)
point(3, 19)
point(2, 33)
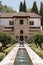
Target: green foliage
point(33, 45)
point(1, 7)
point(9, 45)
point(38, 39)
point(2, 55)
point(41, 13)
point(22, 7)
point(8, 9)
point(5, 8)
point(40, 53)
point(34, 8)
point(7, 50)
point(41, 9)
point(5, 39)
point(30, 40)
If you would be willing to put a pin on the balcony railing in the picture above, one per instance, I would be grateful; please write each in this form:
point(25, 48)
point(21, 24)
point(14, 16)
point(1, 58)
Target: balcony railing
point(9, 28)
point(34, 28)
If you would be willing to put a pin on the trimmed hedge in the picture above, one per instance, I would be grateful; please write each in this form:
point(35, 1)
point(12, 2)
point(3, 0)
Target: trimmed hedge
point(8, 45)
point(2, 55)
point(4, 51)
point(7, 50)
point(40, 53)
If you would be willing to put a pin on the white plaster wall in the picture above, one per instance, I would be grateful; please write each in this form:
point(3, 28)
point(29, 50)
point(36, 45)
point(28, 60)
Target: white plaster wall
point(5, 21)
point(24, 21)
point(37, 22)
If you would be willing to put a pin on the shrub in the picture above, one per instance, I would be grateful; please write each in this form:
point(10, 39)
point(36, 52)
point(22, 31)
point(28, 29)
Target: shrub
point(5, 38)
point(30, 40)
point(7, 50)
point(9, 45)
point(40, 53)
point(2, 55)
point(33, 45)
point(38, 39)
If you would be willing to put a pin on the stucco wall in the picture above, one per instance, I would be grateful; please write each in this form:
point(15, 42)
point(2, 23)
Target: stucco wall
point(18, 21)
point(37, 22)
point(5, 21)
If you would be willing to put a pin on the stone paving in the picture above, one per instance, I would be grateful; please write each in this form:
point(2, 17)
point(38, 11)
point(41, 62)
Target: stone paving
point(36, 60)
point(9, 59)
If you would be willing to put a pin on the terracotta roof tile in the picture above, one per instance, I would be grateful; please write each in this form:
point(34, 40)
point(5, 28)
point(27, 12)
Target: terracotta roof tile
point(19, 14)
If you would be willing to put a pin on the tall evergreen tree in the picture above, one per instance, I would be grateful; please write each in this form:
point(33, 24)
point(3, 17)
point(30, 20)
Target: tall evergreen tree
point(21, 7)
point(24, 6)
point(34, 8)
point(41, 13)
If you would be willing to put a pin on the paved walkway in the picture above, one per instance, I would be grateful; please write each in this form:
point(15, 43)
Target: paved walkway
point(36, 60)
point(9, 59)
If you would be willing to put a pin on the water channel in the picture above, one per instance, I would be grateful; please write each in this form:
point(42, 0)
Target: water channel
point(22, 57)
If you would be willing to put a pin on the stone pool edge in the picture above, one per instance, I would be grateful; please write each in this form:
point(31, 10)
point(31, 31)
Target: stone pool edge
point(10, 58)
point(36, 60)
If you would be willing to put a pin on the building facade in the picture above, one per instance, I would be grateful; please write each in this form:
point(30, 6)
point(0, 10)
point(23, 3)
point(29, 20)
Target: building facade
point(22, 25)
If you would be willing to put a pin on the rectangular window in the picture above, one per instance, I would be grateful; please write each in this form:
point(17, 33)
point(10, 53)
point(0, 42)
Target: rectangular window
point(11, 22)
point(31, 23)
point(21, 22)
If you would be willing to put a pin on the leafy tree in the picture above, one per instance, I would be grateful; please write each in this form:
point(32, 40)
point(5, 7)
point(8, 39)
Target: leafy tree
point(8, 9)
point(5, 8)
point(41, 13)
point(24, 7)
point(5, 39)
point(34, 8)
point(21, 7)
point(38, 39)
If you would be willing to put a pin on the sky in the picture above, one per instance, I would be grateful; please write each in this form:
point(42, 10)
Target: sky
point(15, 3)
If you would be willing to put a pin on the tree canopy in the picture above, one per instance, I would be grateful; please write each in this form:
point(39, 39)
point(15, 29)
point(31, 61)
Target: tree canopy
point(38, 39)
point(34, 8)
point(5, 8)
point(41, 13)
point(22, 7)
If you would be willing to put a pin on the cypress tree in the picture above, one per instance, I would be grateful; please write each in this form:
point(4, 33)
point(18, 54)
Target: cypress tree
point(24, 7)
point(34, 8)
point(21, 7)
point(41, 13)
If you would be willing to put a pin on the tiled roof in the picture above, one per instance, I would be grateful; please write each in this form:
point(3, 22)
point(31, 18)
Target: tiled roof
point(19, 14)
